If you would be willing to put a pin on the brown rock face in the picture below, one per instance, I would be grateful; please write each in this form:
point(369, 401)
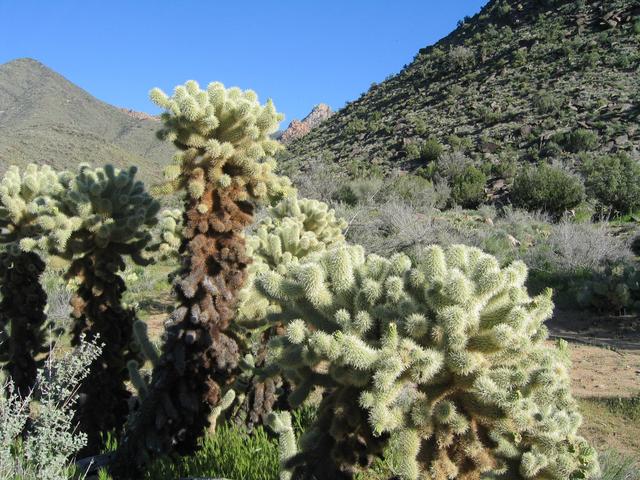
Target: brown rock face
point(140, 115)
point(298, 129)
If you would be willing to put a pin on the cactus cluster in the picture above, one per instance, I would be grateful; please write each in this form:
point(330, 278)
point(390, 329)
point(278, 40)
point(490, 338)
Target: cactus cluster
point(441, 366)
point(224, 163)
point(292, 229)
point(224, 142)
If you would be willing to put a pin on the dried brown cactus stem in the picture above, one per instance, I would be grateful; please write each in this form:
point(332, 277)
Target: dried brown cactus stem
point(98, 312)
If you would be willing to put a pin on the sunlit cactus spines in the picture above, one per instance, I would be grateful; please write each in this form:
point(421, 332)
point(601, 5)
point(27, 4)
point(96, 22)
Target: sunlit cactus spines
point(293, 229)
point(224, 141)
point(440, 365)
point(30, 217)
point(168, 233)
point(224, 164)
point(116, 216)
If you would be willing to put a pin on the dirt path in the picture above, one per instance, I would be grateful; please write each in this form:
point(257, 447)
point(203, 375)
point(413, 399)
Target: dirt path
point(601, 372)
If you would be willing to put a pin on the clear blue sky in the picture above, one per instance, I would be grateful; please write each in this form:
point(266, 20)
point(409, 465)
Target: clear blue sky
point(299, 53)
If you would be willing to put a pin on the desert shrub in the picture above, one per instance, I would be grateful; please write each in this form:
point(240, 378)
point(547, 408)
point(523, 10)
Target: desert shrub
point(548, 188)
point(467, 187)
point(614, 180)
point(412, 151)
point(545, 103)
point(461, 57)
point(614, 290)
point(580, 140)
point(441, 366)
point(418, 192)
point(359, 192)
point(574, 248)
point(38, 436)
point(617, 466)
point(430, 150)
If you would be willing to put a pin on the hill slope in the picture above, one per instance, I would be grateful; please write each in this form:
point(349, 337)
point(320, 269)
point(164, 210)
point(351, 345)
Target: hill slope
point(509, 83)
point(44, 118)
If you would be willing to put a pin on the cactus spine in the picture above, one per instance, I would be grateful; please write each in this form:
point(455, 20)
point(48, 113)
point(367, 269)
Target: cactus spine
point(114, 214)
point(441, 366)
point(223, 138)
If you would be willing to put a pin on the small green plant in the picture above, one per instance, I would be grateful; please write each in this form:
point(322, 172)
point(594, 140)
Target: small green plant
point(545, 103)
point(430, 150)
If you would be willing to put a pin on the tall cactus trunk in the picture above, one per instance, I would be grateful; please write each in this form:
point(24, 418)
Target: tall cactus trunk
point(98, 312)
point(200, 356)
point(23, 323)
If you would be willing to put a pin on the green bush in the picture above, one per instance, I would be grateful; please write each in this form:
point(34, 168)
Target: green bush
point(467, 187)
point(430, 150)
point(580, 140)
point(548, 188)
point(614, 180)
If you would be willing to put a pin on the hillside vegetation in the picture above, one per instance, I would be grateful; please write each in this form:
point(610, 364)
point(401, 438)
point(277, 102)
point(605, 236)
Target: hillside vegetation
point(46, 119)
point(520, 82)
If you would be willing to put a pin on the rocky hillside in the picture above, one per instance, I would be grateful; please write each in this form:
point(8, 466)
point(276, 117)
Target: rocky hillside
point(523, 79)
point(298, 129)
point(44, 118)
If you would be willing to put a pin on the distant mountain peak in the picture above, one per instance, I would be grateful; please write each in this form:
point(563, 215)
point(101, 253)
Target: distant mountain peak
point(45, 118)
point(298, 129)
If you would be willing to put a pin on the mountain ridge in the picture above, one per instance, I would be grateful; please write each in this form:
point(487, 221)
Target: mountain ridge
point(45, 118)
point(508, 82)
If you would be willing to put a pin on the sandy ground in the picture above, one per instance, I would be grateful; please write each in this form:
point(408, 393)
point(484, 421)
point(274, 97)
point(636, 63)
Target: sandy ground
point(601, 372)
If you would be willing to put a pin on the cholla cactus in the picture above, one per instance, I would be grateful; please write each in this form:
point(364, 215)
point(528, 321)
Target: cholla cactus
point(224, 164)
point(441, 365)
point(29, 218)
point(168, 233)
point(292, 230)
point(115, 215)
